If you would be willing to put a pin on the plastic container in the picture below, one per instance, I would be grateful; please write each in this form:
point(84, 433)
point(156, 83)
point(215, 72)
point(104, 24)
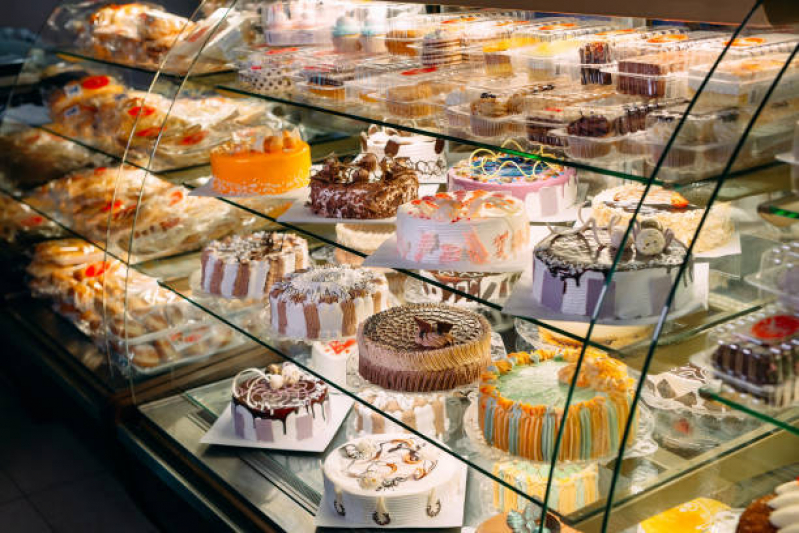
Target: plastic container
point(561, 30)
point(324, 76)
point(417, 92)
point(405, 34)
point(779, 274)
point(553, 110)
point(265, 70)
point(300, 22)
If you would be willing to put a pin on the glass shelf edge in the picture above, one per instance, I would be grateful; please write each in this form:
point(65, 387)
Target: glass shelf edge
point(788, 412)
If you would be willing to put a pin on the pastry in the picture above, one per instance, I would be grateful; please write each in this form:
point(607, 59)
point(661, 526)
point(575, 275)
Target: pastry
point(247, 266)
point(282, 406)
point(695, 516)
point(268, 71)
point(425, 413)
point(573, 487)
point(463, 228)
point(570, 270)
point(325, 303)
point(493, 287)
point(522, 419)
point(775, 513)
point(441, 48)
point(489, 116)
point(330, 359)
point(669, 208)
point(394, 479)
point(423, 154)
point(545, 188)
point(362, 190)
point(423, 347)
point(260, 162)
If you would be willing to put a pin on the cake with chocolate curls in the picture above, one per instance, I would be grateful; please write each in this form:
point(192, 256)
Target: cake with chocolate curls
point(365, 189)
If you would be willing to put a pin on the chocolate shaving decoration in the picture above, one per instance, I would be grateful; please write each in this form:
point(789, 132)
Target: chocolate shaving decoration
point(360, 175)
point(439, 146)
point(368, 162)
point(434, 336)
point(424, 326)
point(392, 148)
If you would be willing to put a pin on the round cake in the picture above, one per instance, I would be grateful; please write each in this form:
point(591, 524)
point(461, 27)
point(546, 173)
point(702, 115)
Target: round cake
point(283, 405)
point(424, 154)
point(365, 238)
point(669, 208)
point(775, 513)
point(259, 162)
point(423, 347)
point(494, 287)
point(523, 522)
point(426, 413)
point(545, 188)
point(326, 302)
point(464, 228)
point(607, 336)
point(521, 401)
point(330, 359)
point(570, 269)
point(246, 266)
point(394, 479)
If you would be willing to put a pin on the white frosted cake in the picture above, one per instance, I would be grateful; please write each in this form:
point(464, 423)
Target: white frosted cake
point(330, 359)
point(463, 229)
point(424, 154)
point(396, 480)
point(426, 413)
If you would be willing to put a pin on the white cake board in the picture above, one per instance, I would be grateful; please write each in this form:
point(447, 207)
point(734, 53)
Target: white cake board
point(522, 303)
point(388, 256)
point(451, 515)
point(299, 213)
point(733, 247)
point(223, 433)
point(207, 189)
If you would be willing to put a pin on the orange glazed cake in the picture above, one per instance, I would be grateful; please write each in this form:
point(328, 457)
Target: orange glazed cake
point(261, 162)
point(521, 399)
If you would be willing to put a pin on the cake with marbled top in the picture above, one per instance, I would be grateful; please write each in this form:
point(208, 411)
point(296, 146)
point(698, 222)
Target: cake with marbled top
point(246, 266)
point(326, 302)
point(571, 267)
point(391, 480)
point(671, 209)
point(423, 347)
point(545, 188)
point(522, 397)
point(282, 405)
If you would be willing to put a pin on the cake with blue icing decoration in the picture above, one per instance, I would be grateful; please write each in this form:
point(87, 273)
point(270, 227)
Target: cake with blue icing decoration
point(574, 485)
point(521, 402)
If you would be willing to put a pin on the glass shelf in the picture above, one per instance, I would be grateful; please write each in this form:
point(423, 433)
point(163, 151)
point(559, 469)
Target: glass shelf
point(784, 418)
point(77, 55)
point(783, 211)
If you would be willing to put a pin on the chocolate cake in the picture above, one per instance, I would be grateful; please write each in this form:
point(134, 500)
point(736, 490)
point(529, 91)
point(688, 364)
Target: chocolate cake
point(364, 189)
point(423, 347)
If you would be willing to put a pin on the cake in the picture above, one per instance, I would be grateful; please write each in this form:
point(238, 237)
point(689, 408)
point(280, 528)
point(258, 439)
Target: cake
point(521, 402)
point(281, 406)
point(330, 359)
point(775, 513)
point(391, 480)
point(260, 162)
point(669, 208)
point(423, 154)
point(426, 413)
point(365, 238)
point(492, 286)
point(247, 266)
point(573, 487)
point(604, 335)
point(546, 189)
point(684, 419)
point(326, 302)
point(695, 516)
point(471, 228)
point(362, 190)
point(570, 269)
point(760, 357)
point(527, 521)
point(423, 347)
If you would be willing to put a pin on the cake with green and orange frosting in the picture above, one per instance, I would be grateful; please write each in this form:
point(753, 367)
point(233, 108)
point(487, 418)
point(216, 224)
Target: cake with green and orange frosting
point(522, 397)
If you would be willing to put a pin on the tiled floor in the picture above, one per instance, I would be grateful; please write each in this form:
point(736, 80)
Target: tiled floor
point(51, 482)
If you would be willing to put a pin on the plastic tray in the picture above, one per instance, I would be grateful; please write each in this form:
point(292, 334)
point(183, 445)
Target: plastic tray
point(561, 30)
point(417, 92)
point(779, 273)
point(589, 148)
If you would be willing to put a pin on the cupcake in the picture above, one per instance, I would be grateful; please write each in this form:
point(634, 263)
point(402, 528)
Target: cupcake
point(487, 115)
point(346, 35)
point(373, 36)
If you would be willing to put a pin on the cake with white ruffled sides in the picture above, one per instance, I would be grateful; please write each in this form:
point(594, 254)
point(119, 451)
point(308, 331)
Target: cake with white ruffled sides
point(424, 154)
point(397, 480)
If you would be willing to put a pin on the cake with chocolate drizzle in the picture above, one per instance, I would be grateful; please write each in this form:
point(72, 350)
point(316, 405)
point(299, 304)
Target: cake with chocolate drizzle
point(423, 347)
point(364, 189)
point(571, 267)
point(280, 405)
point(246, 266)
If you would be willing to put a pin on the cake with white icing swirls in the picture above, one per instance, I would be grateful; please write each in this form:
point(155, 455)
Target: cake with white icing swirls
point(283, 405)
point(775, 513)
point(390, 480)
point(423, 154)
point(246, 266)
point(469, 228)
point(326, 302)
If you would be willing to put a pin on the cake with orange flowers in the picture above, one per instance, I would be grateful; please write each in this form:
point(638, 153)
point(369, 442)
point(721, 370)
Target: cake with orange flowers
point(261, 162)
point(671, 209)
point(463, 229)
point(522, 398)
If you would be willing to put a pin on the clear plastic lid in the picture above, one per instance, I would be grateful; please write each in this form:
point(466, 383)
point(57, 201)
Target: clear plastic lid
point(660, 45)
point(616, 115)
point(699, 128)
point(300, 22)
point(779, 273)
point(559, 30)
point(755, 45)
point(600, 48)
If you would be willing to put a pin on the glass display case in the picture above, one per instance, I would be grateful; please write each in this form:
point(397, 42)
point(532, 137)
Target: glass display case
point(397, 265)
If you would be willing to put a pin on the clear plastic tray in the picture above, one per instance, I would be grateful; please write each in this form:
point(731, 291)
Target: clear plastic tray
point(299, 23)
point(265, 70)
point(417, 92)
point(590, 148)
point(552, 110)
point(779, 273)
point(563, 29)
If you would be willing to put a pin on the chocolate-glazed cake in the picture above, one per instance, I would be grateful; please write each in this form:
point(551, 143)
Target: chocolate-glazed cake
point(282, 404)
point(424, 347)
point(362, 190)
point(246, 266)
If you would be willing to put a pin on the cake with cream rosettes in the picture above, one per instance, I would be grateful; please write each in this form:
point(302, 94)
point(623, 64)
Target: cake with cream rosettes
point(469, 228)
point(521, 402)
point(669, 208)
point(282, 405)
point(775, 513)
point(545, 188)
point(391, 480)
point(423, 347)
point(424, 154)
point(246, 266)
point(326, 302)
